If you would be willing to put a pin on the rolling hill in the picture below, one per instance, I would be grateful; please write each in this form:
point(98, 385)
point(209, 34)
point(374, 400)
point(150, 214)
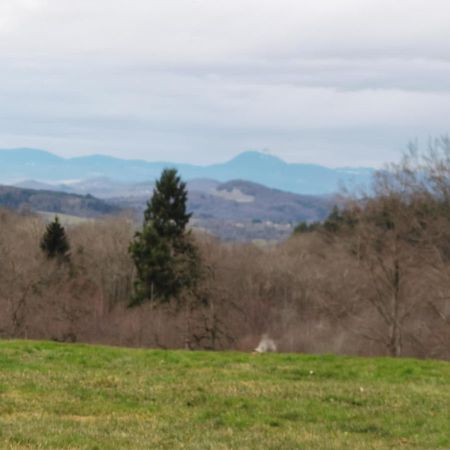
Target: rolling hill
point(55, 202)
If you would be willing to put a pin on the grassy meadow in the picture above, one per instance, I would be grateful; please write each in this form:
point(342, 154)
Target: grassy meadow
point(90, 397)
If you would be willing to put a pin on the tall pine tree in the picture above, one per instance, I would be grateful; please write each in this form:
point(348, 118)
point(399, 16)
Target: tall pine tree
point(54, 242)
point(165, 257)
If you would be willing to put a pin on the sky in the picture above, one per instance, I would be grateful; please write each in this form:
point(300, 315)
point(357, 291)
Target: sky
point(333, 82)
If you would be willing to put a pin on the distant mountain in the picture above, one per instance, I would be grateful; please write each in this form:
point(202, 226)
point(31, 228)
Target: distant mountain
point(22, 164)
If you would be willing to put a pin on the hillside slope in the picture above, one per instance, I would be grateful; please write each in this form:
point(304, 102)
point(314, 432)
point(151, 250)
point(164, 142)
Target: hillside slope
point(57, 202)
point(76, 396)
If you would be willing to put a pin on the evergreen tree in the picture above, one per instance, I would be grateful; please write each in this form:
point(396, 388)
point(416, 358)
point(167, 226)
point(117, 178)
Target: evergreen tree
point(167, 207)
point(166, 260)
point(54, 242)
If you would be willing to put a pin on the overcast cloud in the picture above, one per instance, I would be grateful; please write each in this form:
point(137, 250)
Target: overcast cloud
point(336, 82)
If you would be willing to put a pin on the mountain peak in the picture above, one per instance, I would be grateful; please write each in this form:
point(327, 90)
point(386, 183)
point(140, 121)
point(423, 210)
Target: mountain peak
point(255, 157)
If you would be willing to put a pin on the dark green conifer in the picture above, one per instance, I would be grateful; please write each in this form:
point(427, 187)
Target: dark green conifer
point(54, 242)
point(165, 257)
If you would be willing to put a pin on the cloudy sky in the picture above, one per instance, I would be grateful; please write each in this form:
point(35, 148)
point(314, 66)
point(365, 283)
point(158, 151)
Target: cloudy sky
point(335, 82)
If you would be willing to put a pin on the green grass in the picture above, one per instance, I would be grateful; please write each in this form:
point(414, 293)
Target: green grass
point(79, 396)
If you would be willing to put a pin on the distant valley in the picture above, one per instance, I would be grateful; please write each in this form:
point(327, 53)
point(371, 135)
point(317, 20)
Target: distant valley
point(242, 210)
point(236, 210)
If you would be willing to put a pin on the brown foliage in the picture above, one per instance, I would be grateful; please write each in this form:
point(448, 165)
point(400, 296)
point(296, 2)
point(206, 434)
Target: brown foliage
point(374, 282)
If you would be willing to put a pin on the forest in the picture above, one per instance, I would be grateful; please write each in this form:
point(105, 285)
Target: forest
point(372, 279)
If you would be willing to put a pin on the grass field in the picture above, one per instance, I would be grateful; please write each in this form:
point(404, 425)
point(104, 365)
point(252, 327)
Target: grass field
point(78, 396)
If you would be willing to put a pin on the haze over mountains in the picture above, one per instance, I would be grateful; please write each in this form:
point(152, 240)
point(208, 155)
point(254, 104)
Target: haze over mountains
point(18, 165)
point(253, 196)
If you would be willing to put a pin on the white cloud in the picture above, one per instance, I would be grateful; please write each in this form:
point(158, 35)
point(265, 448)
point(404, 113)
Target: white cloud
point(202, 80)
point(203, 30)
point(14, 12)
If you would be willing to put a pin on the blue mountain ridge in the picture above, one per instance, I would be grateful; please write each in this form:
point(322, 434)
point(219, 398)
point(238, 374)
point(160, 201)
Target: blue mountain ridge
point(39, 165)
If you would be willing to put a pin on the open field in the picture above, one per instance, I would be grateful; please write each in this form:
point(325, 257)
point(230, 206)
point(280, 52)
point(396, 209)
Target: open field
point(78, 396)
